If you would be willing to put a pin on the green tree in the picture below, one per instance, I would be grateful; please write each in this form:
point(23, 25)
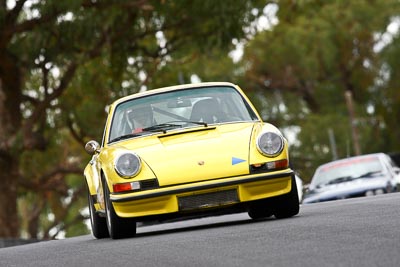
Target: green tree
point(318, 51)
point(60, 63)
point(387, 92)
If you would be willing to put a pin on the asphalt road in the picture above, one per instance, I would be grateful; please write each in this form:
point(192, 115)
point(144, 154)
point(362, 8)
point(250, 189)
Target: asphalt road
point(355, 232)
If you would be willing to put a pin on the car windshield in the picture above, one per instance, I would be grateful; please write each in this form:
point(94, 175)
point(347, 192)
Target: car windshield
point(347, 170)
point(178, 109)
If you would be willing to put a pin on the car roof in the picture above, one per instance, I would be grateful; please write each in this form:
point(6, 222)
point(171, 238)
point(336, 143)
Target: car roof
point(172, 88)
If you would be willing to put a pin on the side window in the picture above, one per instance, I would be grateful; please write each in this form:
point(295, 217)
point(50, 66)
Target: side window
point(389, 164)
point(392, 163)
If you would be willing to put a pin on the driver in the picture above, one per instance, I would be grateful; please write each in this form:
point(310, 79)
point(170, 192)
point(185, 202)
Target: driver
point(141, 117)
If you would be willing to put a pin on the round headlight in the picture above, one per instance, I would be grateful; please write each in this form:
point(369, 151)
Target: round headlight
point(127, 165)
point(270, 144)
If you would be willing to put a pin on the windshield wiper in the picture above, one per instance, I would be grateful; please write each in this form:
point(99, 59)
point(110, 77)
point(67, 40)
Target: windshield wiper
point(188, 121)
point(198, 123)
point(336, 181)
point(368, 174)
point(163, 127)
point(348, 178)
point(126, 136)
point(341, 180)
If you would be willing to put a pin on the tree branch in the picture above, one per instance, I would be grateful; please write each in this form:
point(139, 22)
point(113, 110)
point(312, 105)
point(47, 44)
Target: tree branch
point(12, 16)
point(30, 142)
point(76, 134)
point(50, 181)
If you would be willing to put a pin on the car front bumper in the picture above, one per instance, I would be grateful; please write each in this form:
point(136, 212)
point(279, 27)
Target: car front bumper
point(202, 195)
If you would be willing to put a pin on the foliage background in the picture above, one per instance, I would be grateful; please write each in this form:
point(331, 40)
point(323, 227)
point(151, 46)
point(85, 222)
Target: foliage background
point(62, 62)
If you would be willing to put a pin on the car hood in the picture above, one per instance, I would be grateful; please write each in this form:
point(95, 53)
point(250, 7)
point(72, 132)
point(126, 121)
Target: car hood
point(196, 154)
point(345, 189)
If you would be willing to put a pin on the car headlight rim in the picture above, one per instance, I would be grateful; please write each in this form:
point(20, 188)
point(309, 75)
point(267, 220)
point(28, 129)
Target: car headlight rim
point(270, 144)
point(127, 164)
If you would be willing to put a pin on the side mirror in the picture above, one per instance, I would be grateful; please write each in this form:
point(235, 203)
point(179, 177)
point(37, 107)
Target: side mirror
point(91, 147)
point(306, 187)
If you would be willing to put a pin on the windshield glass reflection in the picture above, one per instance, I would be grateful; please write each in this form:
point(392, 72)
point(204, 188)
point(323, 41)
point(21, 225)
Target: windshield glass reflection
point(179, 109)
point(347, 170)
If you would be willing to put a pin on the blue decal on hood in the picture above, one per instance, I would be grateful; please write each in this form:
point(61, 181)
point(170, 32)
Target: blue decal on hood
point(237, 160)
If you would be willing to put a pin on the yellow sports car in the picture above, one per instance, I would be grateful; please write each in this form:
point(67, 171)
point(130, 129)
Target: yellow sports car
point(186, 150)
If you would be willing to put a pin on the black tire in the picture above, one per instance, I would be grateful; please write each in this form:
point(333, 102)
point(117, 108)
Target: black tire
point(260, 209)
point(287, 205)
point(99, 224)
point(117, 227)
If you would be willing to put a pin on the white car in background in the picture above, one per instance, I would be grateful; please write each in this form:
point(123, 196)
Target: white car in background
point(396, 166)
point(358, 176)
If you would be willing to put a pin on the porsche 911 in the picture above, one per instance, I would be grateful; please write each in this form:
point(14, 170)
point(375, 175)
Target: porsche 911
point(182, 151)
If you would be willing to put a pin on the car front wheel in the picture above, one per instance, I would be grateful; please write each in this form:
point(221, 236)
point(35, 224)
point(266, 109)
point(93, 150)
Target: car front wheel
point(260, 209)
point(287, 205)
point(117, 227)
